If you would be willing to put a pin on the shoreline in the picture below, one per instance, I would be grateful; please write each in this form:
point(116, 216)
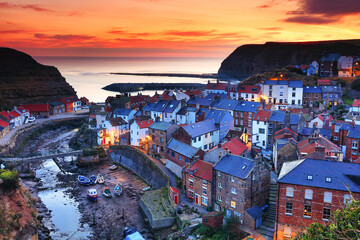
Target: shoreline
point(184, 75)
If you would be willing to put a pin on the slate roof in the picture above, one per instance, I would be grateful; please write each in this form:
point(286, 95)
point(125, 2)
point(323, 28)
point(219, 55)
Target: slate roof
point(226, 104)
point(326, 133)
point(202, 170)
point(217, 115)
point(245, 106)
point(200, 128)
point(255, 212)
point(331, 57)
point(331, 89)
point(294, 118)
point(277, 116)
point(342, 174)
point(148, 107)
point(201, 101)
point(122, 111)
point(160, 106)
point(217, 95)
point(236, 166)
point(162, 126)
point(354, 132)
point(182, 148)
point(172, 104)
point(305, 131)
point(296, 84)
point(309, 89)
point(118, 121)
point(188, 109)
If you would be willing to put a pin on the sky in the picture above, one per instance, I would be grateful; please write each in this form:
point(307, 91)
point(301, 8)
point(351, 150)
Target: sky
point(169, 28)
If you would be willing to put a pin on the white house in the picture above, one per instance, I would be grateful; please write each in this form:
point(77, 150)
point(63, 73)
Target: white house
point(76, 104)
point(166, 110)
point(320, 120)
point(260, 129)
point(16, 118)
point(180, 95)
point(217, 87)
point(284, 93)
point(101, 117)
point(186, 115)
point(125, 113)
point(138, 131)
point(111, 131)
point(25, 114)
point(249, 93)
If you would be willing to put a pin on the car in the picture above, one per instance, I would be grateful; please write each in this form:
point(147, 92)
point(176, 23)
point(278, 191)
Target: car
point(31, 119)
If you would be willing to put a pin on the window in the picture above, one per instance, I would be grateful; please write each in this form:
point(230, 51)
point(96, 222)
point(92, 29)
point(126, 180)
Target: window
point(262, 130)
point(217, 207)
point(299, 101)
point(289, 192)
point(186, 160)
point(328, 179)
point(309, 177)
point(257, 138)
point(304, 95)
point(307, 210)
point(204, 182)
point(292, 102)
point(204, 200)
point(263, 143)
point(205, 135)
point(219, 198)
point(336, 138)
point(289, 208)
point(219, 174)
point(327, 197)
point(161, 139)
point(204, 190)
point(232, 178)
point(241, 122)
point(281, 94)
point(172, 154)
point(219, 185)
point(205, 146)
point(199, 138)
point(308, 194)
point(347, 199)
point(293, 94)
point(287, 232)
point(191, 194)
point(250, 115)
point(233, 190)
point(354, 144)
point(191, 183)
point(179, 157)
point(233, 204)
point(326, 213)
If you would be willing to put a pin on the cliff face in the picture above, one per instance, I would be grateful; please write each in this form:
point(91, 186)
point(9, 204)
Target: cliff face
point(249, 59)
point(24, 81)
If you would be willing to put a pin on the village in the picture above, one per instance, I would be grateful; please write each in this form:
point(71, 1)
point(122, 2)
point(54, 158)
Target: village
point(276, 156)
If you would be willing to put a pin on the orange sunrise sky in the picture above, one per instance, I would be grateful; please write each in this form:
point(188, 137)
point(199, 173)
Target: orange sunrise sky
point(197, 28)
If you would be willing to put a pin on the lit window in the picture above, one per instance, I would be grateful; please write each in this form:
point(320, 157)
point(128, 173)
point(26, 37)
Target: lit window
point(233, 204)
point(307, 210)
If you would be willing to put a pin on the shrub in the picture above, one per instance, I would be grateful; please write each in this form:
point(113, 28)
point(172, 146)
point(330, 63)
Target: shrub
point(10, 179)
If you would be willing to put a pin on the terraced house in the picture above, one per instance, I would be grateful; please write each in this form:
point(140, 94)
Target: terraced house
point(160, 133)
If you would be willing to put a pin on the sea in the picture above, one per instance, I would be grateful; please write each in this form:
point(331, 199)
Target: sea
point(88, 75)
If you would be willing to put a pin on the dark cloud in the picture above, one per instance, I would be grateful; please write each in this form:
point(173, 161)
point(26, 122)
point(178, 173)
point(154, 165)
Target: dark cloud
point(268, 4)
point(271, 28)
point(67, 37)
point(308, 19)
point(11, 31)
point(34, 7)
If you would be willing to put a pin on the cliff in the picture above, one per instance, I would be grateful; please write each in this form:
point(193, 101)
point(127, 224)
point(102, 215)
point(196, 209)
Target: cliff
point(257, 58)
point(24, 81)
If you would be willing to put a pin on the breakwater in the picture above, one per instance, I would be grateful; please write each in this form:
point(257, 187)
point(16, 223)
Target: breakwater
point(135, 87)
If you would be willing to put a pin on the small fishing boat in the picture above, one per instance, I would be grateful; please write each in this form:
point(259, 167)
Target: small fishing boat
point(92, 194)
point(113, 167)
point(100, 179)
point(107, 192)
point(93, 180)
point(118, 190)
point(147, 188)
point(83, 180)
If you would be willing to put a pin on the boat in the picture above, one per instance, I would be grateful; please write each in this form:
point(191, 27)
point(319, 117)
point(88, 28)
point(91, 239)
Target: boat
point(83, 180)
point(92, 194)
point(147, 188)
point(107, 192)
point(93, 180)
point(130, 233)
point(100, 179)
point(118, 190)
point(113, 167)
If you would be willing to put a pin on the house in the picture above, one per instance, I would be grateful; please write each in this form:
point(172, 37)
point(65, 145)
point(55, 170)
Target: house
point(16, 118)
point(203, 135)
point(253, 217)
point(339, 133)
point(178, 154)
point(320, 121)
point(57, 108)
point(71, 104)
point(186, 115)
point(84, 101)
point(223, 119)
point(136, 101)
point(165, 110)
point(217, 87)
point(310, 191)
point(260, 129)
point(38, 110)
point(243, 115)
point(239, 184)
point(323, 82)
point(160, 133)
point(329, 64)
point(353, 143)
point(25, 114)
point(319, 146)
point(236, 147)
point(5, 116)
point(284, 150)
point(225, 104)
point(125, 113)
point(197, 182)
point(248, 93)
point(355, 107)
point(297, 121)
point(120, 133)
point(276, 122)
point(313, 69)
point(201, 102)
point(4, 128)
point(332, 95)
point(345, 66)
point(139, 133)
point(100, 118)
point(312, 96)
point(281, 92)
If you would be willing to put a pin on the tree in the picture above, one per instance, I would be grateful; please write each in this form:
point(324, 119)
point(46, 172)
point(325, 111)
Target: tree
point(345, 224)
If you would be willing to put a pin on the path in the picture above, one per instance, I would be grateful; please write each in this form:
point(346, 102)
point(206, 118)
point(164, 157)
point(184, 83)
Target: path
point(43, 157)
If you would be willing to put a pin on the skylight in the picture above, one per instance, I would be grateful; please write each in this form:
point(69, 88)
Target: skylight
point(309, 177)
point(243, 167)
point(328, 179)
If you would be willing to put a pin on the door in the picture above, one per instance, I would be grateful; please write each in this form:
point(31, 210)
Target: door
point(228, 213)
point(176, 199)
point(197, 199)
point(258, 222)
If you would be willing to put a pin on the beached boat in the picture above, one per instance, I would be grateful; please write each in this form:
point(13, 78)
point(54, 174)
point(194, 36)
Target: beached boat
point(92, 194)
point(113, 167)
point(93, 180)
point(118, 190)
point(100, 179)
point(83, 180)
point(131, 233)
point(147, 188)
point(107, 192)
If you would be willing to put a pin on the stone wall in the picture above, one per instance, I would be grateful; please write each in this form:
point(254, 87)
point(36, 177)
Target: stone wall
point(139, 163)
point(156, 223)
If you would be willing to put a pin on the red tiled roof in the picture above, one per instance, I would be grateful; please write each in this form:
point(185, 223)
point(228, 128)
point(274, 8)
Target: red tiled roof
point(38, 107)
point(322, 118)
point(166, 97)
point(235, 146)
point(22, 109)
point(217, 86)
point(174, 190)
point(262, 115)
point(248, 89)
point(145, 124)
point(299, 110)
point(204, 170)
point(356, 103)
point(196, 92)
point(6, 115)
point(92, 116)
point(324, 82)
point(4, 124)
point(14, 114)
point(108, 109)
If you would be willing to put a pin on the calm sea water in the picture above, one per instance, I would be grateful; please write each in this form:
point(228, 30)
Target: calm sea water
point(89, 74)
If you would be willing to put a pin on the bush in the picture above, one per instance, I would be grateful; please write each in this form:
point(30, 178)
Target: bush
point(356, 84)
point(10, 179)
